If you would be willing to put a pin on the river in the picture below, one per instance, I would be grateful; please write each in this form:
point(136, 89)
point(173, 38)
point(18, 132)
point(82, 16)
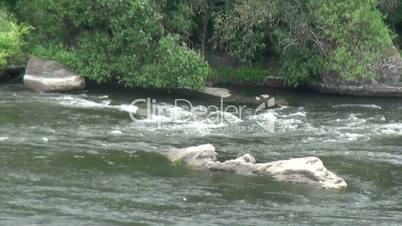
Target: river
point(79, 159)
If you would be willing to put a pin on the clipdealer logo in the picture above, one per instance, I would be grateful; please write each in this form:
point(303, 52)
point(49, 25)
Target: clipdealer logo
point(209, 112)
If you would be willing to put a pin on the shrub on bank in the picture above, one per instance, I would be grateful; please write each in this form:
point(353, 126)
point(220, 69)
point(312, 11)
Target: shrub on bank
point(147, 42)
point(225, 75)
point(308, 38)
point(11, 40)
point(103, 40)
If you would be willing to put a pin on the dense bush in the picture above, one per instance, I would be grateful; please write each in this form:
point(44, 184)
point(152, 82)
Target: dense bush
point(225, 75)
point(392, 9)
point(150, 43)
point(311, 37)
point(10, 38)
point(354, 32)
point(173, 66)
point(242, 31)
point(104, 39)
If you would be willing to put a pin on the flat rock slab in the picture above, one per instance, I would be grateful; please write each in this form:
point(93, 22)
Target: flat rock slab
point(231, 96)
point(50, 76)
point(216, 92)
point(309, 170)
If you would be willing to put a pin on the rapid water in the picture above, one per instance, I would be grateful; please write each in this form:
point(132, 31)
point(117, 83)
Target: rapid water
point(79, 159)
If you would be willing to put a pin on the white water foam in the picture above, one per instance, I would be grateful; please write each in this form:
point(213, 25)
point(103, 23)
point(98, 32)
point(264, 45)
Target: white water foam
point(390, 129)
point(351, 136)
point(172, 118)
point(127, 108)
point(283, 120)
point(370, 106)
point(224, 117)
point(4, 138)
point(349, 128)
point(168, 114)
point(116, 132)
point(351, 121)
point(79, 102)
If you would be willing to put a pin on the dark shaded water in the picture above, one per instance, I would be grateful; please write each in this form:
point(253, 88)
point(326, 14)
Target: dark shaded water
point(78, 159)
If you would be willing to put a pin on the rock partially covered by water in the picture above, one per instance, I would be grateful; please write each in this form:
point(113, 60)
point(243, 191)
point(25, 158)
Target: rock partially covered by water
point(216, 92)
point(50, 76)
point(233, 96)
point(195, 157)
point(309, 170)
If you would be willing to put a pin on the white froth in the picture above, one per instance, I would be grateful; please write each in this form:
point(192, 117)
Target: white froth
point(4, 138)
point(370, 106)
point(79, 102)
point(116, 132)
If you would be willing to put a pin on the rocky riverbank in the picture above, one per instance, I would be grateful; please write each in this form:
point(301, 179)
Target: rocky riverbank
point(42, 75)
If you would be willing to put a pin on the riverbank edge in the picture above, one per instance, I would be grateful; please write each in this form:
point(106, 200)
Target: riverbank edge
point(335, 88)
point(16, 73)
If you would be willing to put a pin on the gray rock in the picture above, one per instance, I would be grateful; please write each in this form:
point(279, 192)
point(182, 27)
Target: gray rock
point(216, 92)
point(50, 76)
point(309, 170)
point(274, 82)
point(231, 96)
point(196, 157)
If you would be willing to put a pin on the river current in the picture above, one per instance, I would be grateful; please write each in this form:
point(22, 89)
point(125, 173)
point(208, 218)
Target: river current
point(79, 159)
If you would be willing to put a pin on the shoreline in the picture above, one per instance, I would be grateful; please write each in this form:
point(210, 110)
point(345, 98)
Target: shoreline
point(15, 73)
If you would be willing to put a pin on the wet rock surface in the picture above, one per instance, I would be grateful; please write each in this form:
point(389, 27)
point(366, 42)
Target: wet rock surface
point(309, 170)
point(49, 76)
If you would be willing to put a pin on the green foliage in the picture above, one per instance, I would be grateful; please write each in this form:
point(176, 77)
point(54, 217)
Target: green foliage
point(243, 74)
point(299, 71)
point(10, 38)
point(113, 39)
point(299, 64)
point(177, 17)
point(341, 38)
point(58, 53)
point(242, 31)
point(357, 31)
point(178, 163)
point(310, 37)
point(174, 66)
point(392, 9)
point(147, 42)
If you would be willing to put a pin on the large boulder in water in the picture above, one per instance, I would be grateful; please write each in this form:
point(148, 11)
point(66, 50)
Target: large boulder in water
point(309, 170)
point(50, 76)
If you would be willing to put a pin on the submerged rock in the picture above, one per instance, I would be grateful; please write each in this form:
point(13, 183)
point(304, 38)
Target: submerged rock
point(50, 76)
point(232, 96)
point(195, 157)
point(309, 170)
